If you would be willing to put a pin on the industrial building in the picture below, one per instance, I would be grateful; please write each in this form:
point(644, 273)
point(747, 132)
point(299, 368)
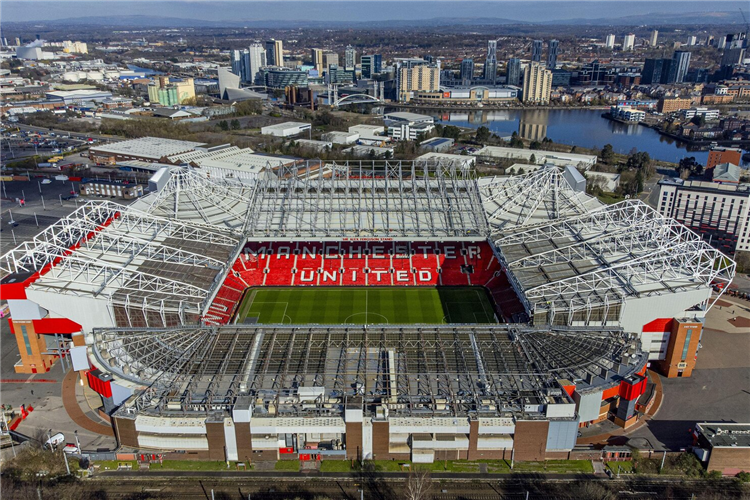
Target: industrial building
point(146, 297)
point(286, 129)
point(407, 126)
point(723, 446)
point(541, 157)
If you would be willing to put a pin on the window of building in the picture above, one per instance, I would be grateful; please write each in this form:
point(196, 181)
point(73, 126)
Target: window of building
point(687, 344)
point(26, 341)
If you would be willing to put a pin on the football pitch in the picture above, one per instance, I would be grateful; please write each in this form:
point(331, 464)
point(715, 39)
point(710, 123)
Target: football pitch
point(354, 305)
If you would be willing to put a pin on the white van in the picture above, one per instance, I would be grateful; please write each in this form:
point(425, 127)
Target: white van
point(55, 440)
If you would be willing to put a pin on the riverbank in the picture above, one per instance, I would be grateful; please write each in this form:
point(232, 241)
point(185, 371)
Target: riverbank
point(491, 107)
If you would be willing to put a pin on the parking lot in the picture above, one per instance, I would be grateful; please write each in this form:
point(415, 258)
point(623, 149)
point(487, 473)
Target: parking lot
point(717, 391)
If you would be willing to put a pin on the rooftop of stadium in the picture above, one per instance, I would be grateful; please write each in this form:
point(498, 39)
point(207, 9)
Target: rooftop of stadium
point(291, 371)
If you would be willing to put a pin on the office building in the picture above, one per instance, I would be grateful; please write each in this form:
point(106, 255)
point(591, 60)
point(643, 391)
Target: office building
point(610, 42)
point(720, 213)
point(537, 84)
point(350, 57)
point(467, 71)
point(628, 42)
point(371, 65)
point(337, 74)
point(408, 126)
point(692, 40)
point(672, 104)
point(513, 72)
point(171, 93)
point(536, 50)
point(553, 46)
point(237, 62)
point(723, 446)
point(416, 75)
point(654, 37)
point(679, 66)
point(490, 64)
point(274, 52)
point(467, 95)
point(277, 78)
point(330, 59)
point(317, 60)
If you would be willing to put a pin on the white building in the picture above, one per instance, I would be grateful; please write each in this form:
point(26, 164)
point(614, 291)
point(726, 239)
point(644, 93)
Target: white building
point(338, 137)
point(707, 114)
point(370, 134)
point(628, 42)
point(314, 145)
point(446, 158)
point(540, 157)
point(606, 180)
point(627, 113)
point(408, 126)
point(286, 129)
point(720, 213)
point(610, 42)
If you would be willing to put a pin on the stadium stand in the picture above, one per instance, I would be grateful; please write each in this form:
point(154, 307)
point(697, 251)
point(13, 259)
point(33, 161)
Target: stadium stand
point(355, 263)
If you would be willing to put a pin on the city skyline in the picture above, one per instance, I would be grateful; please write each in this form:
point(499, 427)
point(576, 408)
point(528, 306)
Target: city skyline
point(356, 11)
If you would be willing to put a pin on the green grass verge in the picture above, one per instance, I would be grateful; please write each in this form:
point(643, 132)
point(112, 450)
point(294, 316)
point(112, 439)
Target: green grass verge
point(373, 305)
point(287, 465)
point(464, 466)
point(553, 466)
point(195, 465)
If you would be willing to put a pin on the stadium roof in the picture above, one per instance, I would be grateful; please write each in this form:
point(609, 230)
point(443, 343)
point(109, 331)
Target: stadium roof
point(534, 198)
point(376, 199)
point(416, 370)
point(575, 268)
point(152, 271)
point(189, 196)
point(146, 147)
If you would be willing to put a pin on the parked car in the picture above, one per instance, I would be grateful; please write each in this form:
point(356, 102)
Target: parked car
point(55, 441)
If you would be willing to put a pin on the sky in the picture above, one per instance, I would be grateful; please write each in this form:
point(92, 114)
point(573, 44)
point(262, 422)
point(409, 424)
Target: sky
point(352, 10)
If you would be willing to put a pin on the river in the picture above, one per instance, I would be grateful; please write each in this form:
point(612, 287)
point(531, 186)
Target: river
point(580, 127)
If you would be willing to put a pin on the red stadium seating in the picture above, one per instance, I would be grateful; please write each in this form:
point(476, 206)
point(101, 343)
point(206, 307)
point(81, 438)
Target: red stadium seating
point(355, 263)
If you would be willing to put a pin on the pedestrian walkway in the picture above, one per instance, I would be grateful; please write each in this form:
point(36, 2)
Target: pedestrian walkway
point(72, 407)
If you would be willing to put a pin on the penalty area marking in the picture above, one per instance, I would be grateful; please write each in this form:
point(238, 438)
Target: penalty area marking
point(283, 315)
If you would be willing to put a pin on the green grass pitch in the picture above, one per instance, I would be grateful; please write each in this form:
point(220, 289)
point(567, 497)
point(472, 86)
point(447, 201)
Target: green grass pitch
point(354, 305)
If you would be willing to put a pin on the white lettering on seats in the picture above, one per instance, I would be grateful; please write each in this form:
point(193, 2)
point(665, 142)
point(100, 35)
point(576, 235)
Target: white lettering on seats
point(402, 276)
point(425, 276)
point(304, 279)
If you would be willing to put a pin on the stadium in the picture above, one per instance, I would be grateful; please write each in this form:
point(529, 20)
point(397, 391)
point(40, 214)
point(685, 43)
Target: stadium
point(404, 310)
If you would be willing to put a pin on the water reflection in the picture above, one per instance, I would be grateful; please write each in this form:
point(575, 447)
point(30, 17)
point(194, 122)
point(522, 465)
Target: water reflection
point(584, 127)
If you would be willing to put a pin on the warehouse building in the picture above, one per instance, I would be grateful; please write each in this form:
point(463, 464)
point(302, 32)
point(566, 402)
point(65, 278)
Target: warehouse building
point(286, 129)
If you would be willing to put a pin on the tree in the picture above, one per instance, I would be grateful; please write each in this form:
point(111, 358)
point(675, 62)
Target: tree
point(483, 134)
point(223, 125)
point(532, 159)
point(535, 145)
point(608, 153)
point(452, 132)
point(515, 141)
point(235, 124)
point(418, 484)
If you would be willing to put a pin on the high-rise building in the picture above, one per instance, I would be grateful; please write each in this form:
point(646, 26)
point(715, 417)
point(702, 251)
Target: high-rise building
point(655, 71)
point(317, 60)
point(350, 57)
point(467, 71)
point(274, 53)
point(337, 74)
point(536, 50)
point(553, 46)
point(628, 42)
point(236, 59)
point(537, 84)
point(610, 42)
point(679, 66)
point(330, 59)
point(654, 38)
point(692, 40)
point(278, 77)
point(371, 65)
point(416, 75)
point(490, 64)
point(256, 59)
point(513, 72)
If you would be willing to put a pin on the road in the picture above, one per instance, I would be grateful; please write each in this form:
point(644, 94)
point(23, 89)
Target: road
point(73, 135)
